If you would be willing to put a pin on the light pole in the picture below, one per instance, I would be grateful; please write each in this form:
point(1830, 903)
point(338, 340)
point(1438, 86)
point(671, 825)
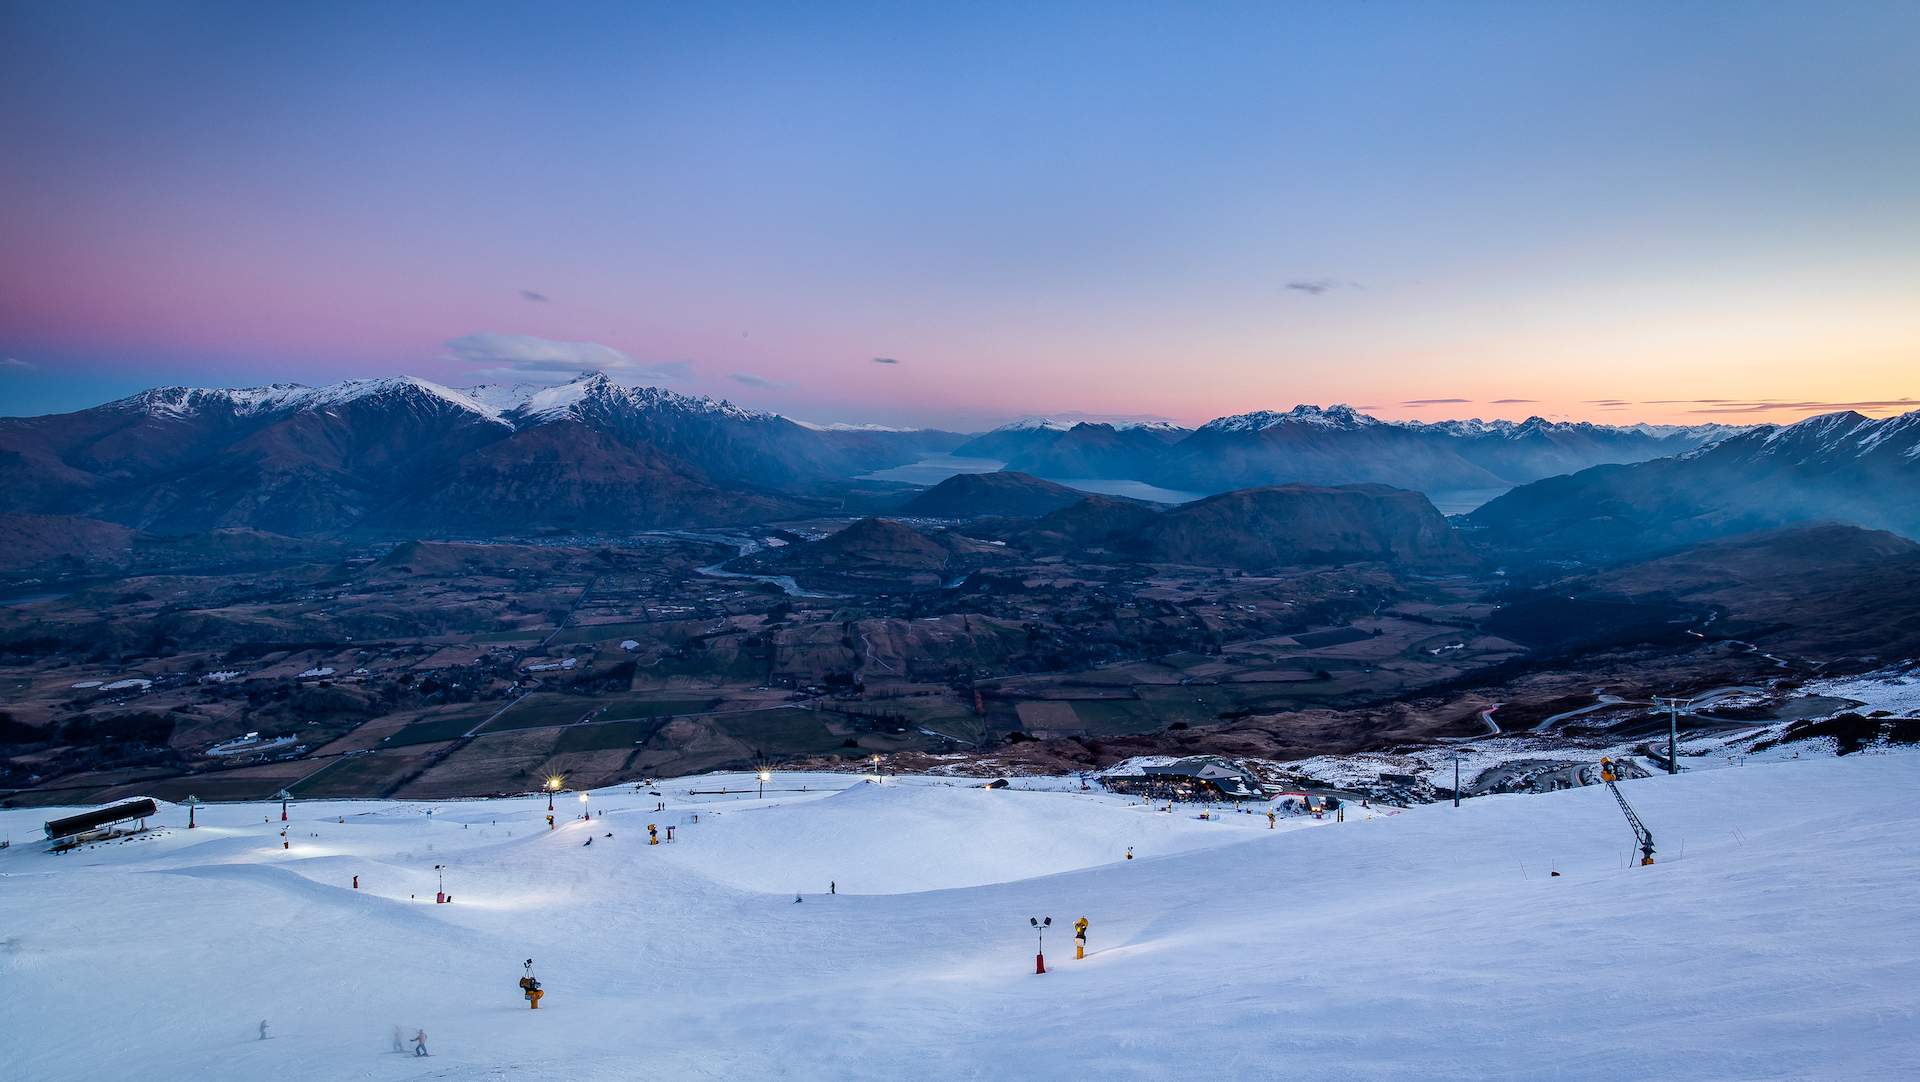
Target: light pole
point(1456, 779)
point(192, 802)
point(583, 805)
point(1040, 927)
point(876, 768)
point(553, 786)
point(1674, 706)
point(283, 796)
point(765, 775)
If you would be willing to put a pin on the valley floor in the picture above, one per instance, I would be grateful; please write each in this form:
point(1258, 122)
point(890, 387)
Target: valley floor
point(1773, 940)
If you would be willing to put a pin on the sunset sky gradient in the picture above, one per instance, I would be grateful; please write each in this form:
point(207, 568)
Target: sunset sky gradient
point(1663, 212)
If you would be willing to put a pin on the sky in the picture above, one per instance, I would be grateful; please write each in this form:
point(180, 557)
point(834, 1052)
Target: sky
point(956, 214)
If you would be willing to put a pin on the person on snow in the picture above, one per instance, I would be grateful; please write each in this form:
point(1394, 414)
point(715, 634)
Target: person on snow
point(420, 1042)
point(399, 1042)
point(832, 887)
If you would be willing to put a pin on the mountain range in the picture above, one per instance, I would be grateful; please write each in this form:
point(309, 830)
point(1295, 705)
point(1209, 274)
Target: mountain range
point(1331, 445)
point(1838, 467)
point(407, 457)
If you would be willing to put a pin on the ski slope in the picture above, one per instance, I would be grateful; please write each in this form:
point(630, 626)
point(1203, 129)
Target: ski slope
point(1774, 940)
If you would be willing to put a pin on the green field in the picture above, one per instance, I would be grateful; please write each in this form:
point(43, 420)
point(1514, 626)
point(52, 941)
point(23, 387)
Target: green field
point(541, 709)
point(531, 634)
point(1116, 716)
point(356, 775)
point(790, 731)
point(429, 730)
point(606, 632)
point(619, 734)
point(629, 709)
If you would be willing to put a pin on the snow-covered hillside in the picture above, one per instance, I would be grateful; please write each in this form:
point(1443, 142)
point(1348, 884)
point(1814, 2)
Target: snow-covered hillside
point(1772, 940)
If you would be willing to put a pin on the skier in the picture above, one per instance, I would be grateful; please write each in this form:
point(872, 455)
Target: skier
point(399, 1042)
point(832, 887)
point(420, 1043)
point(796, 899)
point(263, 1029)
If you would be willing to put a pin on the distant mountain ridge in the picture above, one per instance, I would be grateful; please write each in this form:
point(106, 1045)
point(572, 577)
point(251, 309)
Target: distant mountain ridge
point(1841, 467)
point(406, 455)
point(1330, 445)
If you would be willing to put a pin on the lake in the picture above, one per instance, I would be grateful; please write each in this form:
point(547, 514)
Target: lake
point(932, 471)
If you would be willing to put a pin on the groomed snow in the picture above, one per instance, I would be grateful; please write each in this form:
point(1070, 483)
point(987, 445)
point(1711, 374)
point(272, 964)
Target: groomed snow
point(1773, 940)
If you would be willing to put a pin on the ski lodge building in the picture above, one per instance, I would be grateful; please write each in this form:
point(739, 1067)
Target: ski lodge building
point(1197, 777)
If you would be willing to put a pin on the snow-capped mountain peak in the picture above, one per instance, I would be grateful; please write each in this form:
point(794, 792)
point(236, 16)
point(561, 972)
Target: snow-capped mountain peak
point(1335, 416)
point(1034, 424)
point(177, 403)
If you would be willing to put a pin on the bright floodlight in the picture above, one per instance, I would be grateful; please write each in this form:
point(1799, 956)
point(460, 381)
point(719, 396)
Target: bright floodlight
point(583, 798)
point(766, 775)
point(553, 782)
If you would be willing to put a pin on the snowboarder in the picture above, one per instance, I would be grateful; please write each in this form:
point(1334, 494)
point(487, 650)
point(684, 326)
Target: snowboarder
point(796, 899)
point(420, 1043)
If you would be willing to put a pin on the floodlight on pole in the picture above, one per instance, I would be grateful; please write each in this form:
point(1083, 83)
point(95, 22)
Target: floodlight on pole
point(583, 805)
point(1456, 778)
point(765, 776)
point(1040, 926)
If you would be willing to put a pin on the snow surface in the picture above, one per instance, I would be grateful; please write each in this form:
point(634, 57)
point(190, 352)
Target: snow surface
point(1773, 940)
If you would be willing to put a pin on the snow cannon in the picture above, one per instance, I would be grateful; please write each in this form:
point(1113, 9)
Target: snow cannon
point(653, 834)
point(1080, 938)
point(1040, 927)
point(530, 988)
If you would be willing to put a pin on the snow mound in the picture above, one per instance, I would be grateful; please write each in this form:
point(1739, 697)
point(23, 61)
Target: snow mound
point(896, 839)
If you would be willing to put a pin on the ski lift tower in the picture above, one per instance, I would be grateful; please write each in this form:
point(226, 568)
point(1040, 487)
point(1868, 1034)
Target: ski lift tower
point(1674, 705)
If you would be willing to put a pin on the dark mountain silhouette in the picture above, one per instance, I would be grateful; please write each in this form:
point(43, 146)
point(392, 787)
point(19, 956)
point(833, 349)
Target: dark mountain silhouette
point(1294, 525)
point(1005, 494)
point(1840, 467)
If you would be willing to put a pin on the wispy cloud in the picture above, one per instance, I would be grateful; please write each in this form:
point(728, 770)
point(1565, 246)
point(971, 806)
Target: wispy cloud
point(1903, 405)
point(1514, 401)
point(15, 363)
point(533, 296)
point(1609, 403)
point(886, 360)
point(524, 356)
point(1315, 287)
point(1436, 401)
point(752, 380)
